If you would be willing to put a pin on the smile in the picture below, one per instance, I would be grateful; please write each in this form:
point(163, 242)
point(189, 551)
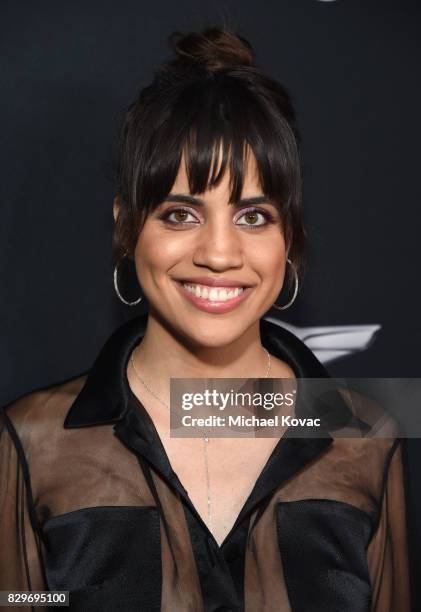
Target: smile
point(214, 294)
point(213, 299)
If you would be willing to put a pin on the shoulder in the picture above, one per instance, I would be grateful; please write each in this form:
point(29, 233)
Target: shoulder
point(354, 468)
point(371, 438)
point(359, 467)
point(32, 413)
point(365, 460)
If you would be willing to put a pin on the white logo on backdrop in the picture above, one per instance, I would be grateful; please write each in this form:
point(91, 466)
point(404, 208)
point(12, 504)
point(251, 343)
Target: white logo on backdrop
point(330, 343)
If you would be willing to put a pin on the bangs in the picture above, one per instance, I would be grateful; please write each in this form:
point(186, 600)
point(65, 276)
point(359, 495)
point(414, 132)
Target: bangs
point(214, 125)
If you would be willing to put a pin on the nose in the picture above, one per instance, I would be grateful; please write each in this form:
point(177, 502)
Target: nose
point(218, 246)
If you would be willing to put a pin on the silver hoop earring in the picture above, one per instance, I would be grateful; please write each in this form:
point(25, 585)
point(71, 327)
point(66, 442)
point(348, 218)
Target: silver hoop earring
point(119, 294)
point(295, 288)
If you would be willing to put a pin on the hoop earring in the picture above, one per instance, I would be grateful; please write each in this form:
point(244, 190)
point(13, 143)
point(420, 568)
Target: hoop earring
point(288, 304)
point(118, 291)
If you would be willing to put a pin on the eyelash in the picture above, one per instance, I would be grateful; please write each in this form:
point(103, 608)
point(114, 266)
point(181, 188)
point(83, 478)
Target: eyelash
point(266, 214)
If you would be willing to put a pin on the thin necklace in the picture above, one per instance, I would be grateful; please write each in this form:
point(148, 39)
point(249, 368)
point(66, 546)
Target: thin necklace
point(205, 438)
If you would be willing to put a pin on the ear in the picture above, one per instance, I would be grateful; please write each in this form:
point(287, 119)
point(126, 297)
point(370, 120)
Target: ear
point(116, 207)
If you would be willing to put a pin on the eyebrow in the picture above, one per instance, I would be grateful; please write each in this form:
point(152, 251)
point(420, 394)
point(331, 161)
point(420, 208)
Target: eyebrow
point(188, 199)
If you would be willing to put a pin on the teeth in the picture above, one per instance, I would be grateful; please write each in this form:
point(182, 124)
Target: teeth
point(214, 294)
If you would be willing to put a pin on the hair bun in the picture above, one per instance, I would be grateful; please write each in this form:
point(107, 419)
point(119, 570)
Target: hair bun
point(216, 48)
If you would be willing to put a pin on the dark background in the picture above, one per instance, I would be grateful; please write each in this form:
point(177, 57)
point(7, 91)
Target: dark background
point(67, 73)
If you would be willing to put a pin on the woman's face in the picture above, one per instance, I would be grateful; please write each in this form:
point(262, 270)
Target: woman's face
point(191, 247)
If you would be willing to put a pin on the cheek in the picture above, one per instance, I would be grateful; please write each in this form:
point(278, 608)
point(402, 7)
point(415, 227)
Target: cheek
point(268, 258)
point(157, 252)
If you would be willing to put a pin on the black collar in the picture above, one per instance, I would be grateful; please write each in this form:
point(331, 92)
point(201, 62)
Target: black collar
point(104, 397)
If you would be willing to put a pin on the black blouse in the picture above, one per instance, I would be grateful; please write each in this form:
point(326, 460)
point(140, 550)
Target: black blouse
point(89, 503)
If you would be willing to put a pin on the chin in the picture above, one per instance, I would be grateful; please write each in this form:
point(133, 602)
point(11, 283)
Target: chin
point(213, 334)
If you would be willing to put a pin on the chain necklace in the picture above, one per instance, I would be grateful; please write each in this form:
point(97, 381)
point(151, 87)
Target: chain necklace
point(205, 438)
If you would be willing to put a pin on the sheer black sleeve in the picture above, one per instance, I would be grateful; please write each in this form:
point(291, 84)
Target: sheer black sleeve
point(21, 565)
point(388, 549)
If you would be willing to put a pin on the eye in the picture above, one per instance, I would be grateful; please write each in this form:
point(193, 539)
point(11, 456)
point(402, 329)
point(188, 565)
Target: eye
point(180, 216)
point(252, 218)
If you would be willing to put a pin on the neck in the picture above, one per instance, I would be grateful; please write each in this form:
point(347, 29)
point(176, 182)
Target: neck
point(162, 351)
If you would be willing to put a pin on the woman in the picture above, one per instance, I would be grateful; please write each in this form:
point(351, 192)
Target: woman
point(96, 497)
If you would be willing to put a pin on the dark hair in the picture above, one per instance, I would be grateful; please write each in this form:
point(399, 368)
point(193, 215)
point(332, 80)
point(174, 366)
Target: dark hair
point(210, 94)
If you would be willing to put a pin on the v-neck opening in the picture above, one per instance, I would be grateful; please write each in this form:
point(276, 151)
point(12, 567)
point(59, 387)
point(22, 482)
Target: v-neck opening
point(161, 461)
point(171, 471)
point(158, 457)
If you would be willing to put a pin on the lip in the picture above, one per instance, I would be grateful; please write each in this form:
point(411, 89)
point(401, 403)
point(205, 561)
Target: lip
point(214, 307)
point(213, 281)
